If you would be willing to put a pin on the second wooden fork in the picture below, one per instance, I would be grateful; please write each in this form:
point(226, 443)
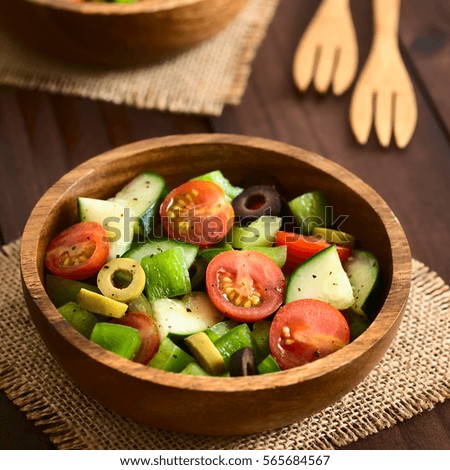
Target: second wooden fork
point(384, 94)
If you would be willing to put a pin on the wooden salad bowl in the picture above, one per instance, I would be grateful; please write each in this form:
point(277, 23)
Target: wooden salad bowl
point(115, 34)
point(213, 405)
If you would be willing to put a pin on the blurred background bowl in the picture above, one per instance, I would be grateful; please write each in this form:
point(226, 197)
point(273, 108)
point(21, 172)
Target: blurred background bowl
point(115, 34)
point(213, 405)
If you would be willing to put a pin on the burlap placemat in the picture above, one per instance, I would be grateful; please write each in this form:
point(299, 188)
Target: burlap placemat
point(412, 377)
point(201, 80)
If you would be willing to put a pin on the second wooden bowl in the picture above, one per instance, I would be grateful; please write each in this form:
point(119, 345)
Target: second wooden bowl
point(213, 405)
point(115, 34)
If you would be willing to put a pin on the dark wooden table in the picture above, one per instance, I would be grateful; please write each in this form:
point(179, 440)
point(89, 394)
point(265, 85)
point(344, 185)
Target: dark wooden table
point(42, 136)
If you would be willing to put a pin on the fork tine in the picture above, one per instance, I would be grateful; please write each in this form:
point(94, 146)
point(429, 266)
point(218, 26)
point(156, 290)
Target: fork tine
point(361, 112)
point(383, 117)
point(304, 65)
point(405, 110)
point(325, 66)
point(346, 66)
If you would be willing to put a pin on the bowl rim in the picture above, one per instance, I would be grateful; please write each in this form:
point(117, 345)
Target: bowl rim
point(388, 317)
point(96, 8)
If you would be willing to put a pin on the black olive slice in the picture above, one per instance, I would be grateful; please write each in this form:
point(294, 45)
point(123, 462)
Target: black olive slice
point(242, 363)
point(255, 202)
point(197, 273)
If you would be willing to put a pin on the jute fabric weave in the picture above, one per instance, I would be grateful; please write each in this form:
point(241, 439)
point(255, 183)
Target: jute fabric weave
point(412, 377)
point(201, 81)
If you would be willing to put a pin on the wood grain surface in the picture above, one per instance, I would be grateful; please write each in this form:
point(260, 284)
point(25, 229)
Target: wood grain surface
point(42, 136)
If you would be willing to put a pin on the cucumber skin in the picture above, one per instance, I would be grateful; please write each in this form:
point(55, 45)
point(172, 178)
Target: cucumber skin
point(268, 365)
point(372, 304)
point(209, 253)
point(148, 217)
point(309, 205)
point(61, 290)
point(357, 323)
point(196, 369)
point(170, 357)
point(79, 318)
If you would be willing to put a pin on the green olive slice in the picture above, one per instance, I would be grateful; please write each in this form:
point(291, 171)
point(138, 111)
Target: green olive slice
point(100, 304)
point(121, 279)
point(334, 236)
point(208, 356)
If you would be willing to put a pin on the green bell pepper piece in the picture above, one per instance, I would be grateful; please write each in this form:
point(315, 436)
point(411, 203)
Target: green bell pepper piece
point(217, 177)
point(166, 274)
point(119, 339)
point(238, 338)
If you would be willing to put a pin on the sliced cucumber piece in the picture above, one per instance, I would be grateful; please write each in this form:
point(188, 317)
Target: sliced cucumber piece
point(278, 254)
point(194, 369)
point(100, 304)
point(219, 329)
point(357, 323)
point(166, 274)
point(143, 195)
point(321, 277)
point(209, 253)
point(363, 271)
point(79, 318)
point(154, 247)
point(217, 177)
point(170, 357)
point(261, 232)
point(115, 218)
point(268, 365)
point(119, 339)
point(197, 273)
point(334, 236)
point(61, 291)
point(309, 210)
point(260, 332)
point(207, 355)
point(193, 313)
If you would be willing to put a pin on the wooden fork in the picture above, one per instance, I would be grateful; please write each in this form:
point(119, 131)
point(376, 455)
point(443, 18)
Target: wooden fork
point(328, 51)
point(384, 93)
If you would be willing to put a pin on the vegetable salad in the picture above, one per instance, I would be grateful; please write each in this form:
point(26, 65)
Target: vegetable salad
point(212, 279)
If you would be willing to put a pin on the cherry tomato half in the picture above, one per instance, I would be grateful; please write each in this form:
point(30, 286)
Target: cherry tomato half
point(305, 330)
point(78, 252)
point(197, 212)
point(301, 247)
point(246, 286)
point(147, 331)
